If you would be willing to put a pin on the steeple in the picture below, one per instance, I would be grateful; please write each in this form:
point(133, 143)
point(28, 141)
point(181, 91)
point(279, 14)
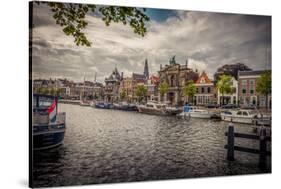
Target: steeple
point(145, 72)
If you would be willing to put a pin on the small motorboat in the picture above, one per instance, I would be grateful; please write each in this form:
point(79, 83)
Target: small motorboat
point(239, 116)
point(103, 105)
point(195, 112)
point(173, 110)
point(125, 106)
point(85, 103)
point(155, 108)
point(262, 119)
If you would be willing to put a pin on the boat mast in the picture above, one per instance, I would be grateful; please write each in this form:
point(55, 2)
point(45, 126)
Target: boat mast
point(84, 89)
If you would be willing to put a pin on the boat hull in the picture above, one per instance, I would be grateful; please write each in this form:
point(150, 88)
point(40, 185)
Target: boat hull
point(46, 139)
point(200, 115)
point(125, 107)
point(234, 119)
point(103, 106)
point(152, 111)
point(196, 115)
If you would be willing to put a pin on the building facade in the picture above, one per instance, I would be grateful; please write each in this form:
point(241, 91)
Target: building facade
point(229, 98)
point(176, 76)
point(112, 84)
point(129, 84)
point(126, 86)
point(248, 95)
point(152, 88)
point(205, 90)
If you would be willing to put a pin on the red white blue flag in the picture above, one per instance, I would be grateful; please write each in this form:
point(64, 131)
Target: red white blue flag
point(52, 111)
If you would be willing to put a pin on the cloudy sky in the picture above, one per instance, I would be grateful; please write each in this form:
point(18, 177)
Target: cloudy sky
point(207, 40)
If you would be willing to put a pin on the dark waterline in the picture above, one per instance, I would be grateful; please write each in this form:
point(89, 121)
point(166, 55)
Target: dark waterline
point(106, 146)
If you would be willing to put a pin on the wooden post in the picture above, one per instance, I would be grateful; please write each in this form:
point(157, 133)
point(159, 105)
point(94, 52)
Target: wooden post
point(230, 143)
point(262, 159)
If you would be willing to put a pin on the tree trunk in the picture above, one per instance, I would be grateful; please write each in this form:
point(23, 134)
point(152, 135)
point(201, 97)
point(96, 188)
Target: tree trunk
point(266, 101)
point(221, 100)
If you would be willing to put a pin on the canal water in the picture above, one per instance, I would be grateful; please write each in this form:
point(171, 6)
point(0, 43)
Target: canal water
point(107, 146)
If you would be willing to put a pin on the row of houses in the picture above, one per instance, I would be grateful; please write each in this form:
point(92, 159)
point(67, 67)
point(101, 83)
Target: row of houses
point(69, 89)
point(116, 84)
point(117, 87)
point(243, 84)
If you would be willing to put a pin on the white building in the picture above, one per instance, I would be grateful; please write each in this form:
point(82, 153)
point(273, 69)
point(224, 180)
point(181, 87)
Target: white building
point(230, 98)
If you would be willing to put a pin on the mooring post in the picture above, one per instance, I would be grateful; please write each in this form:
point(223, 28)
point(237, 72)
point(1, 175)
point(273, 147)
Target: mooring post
point(230, 142)
point(262, 159)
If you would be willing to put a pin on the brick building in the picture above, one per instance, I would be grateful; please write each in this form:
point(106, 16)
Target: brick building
point(248, 95)
point(205, 90)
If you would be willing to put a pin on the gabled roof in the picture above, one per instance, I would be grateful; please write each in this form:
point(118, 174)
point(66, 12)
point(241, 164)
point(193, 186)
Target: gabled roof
point(138, 76)
point(250, 73)
point(154, 79)
point(203, 79)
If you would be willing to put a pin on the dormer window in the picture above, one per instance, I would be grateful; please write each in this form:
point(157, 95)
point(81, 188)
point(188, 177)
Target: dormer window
point(202, 80)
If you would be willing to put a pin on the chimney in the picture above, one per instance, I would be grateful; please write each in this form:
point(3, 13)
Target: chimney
point(160, 67)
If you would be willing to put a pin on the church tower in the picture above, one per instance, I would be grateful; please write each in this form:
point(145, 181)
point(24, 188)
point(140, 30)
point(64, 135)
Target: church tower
point(145, 72)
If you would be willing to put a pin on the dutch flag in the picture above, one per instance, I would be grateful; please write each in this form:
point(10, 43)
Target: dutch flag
point(52, 111)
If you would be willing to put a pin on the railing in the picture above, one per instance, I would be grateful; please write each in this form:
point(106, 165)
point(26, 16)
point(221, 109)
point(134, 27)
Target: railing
point(262, 151)
point(40, 118)
point(61, 117)
point(43, 118)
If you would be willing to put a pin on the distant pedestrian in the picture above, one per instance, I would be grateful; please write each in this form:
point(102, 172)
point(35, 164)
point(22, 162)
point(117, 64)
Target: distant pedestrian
point(186, 108)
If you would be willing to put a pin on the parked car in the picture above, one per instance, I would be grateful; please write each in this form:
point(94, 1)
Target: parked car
point(251, 107)
point(229, 106)
point(212, 105)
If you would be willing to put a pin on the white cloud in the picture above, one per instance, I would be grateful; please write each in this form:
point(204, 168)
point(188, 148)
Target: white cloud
point(208, 40)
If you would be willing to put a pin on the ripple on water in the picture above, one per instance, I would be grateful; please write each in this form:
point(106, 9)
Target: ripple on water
point(103, 146)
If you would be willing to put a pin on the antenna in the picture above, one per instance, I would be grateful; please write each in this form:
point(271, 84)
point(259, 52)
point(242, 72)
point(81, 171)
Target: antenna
point(268, 55)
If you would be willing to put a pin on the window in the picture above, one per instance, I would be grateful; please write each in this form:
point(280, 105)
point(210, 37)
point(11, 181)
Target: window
point(252, 82)
point(244, 82)
point(245, 114)
point(209, 90)
point(172, 82)
point(252, 91)
point(202, 90)
point(244, 91)
point(239, 113)
point(202, 80)
point(197, 90)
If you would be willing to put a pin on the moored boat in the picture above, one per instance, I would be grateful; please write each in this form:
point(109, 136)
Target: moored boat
point(264, 119)
point(153, 108)
point(125, 106)
point(239, 116)
point(48, 126)
point(103, 105)
point(84, 103)
point(195, 112)
point(173, 110)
